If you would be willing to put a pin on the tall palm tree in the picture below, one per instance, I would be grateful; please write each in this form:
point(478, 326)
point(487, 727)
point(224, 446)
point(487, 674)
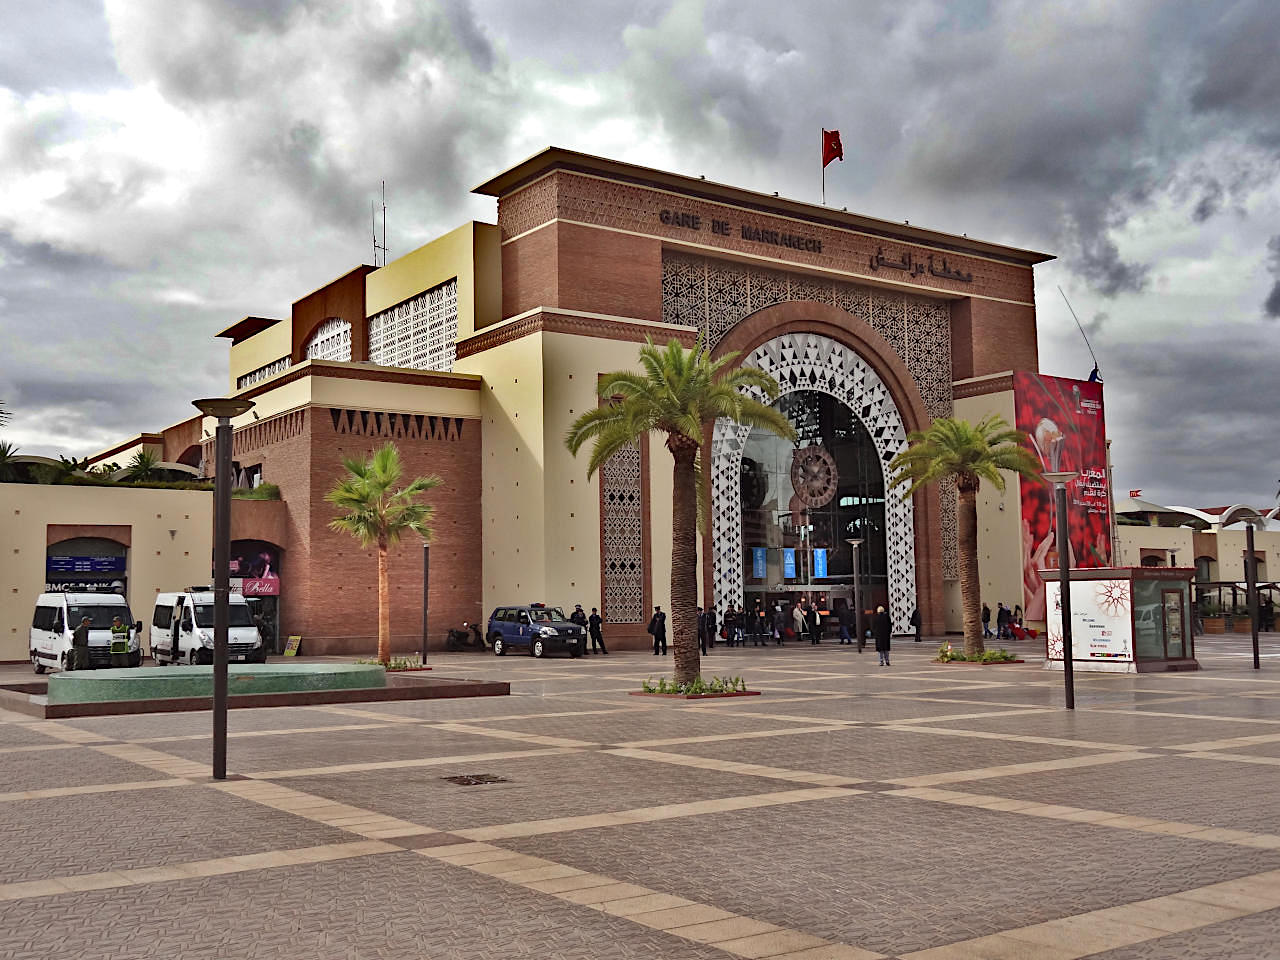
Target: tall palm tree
point(377, 514)
point(679, 394)
point(966, 453)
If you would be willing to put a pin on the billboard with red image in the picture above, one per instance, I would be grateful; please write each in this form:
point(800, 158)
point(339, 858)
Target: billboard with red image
point(1066, 430)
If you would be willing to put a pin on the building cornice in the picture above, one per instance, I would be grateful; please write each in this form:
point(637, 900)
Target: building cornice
point(982, 386)
point(576, 323)
point(336, 370)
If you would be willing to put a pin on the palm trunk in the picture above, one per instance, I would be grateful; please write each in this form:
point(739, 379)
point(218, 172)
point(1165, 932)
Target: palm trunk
point(684, 560)
point(970, 586)
point(384, 608)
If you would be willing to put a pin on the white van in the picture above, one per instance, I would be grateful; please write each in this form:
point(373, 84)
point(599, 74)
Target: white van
point(184, 622)
point(56, 618)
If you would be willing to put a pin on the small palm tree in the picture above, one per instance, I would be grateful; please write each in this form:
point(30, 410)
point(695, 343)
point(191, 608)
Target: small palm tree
point(680, 393)
point(967, 454)
point(377, 514)
point(143, 466)
point(8, 459)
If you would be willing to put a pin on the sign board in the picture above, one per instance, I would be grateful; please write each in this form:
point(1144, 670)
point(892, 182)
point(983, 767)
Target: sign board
point(820, 562)
point(291, 646)
point(788, 563)
point(256, 587)
point(84, 564)
point(1101, 620)
point(758, 556)
point(85, 586)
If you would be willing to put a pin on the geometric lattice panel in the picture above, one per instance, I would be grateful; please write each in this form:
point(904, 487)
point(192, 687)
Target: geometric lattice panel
point(805, 361)
point(623, 523)
point(421, 333)
point(330, 341)
point(714, 295)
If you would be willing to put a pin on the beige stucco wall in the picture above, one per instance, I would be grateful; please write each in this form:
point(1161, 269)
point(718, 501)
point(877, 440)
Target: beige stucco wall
point(512, 483)
point(1131, 541)
point(470, 253)
point(999, 522)
point(264, 347)
point(1231, 545)
point(157, 560)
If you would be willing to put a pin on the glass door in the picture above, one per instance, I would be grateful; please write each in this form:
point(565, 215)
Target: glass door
point(1174, 624)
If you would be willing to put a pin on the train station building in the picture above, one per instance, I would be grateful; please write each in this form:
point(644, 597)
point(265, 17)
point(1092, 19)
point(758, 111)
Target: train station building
point(475, 352)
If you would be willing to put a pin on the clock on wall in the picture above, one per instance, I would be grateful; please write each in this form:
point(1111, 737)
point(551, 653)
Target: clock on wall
point(813, 475)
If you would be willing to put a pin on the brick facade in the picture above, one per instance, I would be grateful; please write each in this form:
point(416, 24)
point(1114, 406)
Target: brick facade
point(329, 592)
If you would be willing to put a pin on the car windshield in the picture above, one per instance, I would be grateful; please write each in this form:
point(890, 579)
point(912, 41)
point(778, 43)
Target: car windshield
point(100, 615)
point(238, 615)
point(546, 614)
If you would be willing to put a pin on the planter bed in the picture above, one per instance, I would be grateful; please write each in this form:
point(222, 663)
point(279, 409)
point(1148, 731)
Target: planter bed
point(975, 663)
point(696, 696)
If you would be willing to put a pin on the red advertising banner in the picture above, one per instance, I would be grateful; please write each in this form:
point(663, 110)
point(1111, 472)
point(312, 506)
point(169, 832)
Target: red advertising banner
point(1066, 430)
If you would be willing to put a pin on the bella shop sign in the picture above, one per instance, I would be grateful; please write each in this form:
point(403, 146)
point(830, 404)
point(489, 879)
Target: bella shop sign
point(723, 228)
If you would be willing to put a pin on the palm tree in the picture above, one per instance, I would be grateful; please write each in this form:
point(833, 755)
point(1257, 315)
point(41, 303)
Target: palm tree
point(143, 466)
point(377, 515)
point(957, 450)
point(8, 459)
point(680, 393)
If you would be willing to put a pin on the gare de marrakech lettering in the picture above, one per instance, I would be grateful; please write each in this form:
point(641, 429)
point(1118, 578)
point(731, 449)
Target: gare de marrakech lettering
point(692, 221)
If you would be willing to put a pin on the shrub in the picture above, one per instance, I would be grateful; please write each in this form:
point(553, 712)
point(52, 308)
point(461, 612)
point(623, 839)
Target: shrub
point(263, 491)
point(695, 686)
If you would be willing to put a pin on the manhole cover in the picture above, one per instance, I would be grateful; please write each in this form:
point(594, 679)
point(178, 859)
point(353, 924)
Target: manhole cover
point(475, 779)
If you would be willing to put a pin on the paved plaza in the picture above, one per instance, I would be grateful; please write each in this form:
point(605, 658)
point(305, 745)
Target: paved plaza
point(851, 812)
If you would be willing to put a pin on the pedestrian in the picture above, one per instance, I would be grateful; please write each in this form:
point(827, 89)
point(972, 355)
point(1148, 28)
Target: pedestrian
point(1002, 621)
point(710, 616)
point(847, 621)
point(701, 621)
point(813, 620)
point(1267, 614)
point(79, 656)
point(759, 629)
point(597, 635)
point(119, 642)
point(578, 616)
point(881, 629)
point(658, 630)
point(732, 632)
point(779, 623)
point(798, 620)
point(986, 622)
point(915, 622)
point(1017, 614)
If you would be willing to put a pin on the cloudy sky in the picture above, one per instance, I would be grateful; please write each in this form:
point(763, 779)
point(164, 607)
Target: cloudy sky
point(168, 168)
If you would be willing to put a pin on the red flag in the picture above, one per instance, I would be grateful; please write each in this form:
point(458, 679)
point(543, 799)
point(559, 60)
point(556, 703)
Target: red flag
point(831, 148)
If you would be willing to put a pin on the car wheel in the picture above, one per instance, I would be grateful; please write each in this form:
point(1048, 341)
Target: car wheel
point(499, 646)
point(36, 663)
point(536, 649)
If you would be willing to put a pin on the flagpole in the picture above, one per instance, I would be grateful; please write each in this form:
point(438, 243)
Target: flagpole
point(822, 149)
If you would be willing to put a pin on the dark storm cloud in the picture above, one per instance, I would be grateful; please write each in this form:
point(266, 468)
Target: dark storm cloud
point(1178, 405)
point(1240, 72)
point(1272, 305)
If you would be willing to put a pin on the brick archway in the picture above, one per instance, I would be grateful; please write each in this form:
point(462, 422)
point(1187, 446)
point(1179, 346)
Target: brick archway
point(871, 349)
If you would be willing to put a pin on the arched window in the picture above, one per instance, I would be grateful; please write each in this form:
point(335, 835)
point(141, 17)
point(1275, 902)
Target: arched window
point(331, 341)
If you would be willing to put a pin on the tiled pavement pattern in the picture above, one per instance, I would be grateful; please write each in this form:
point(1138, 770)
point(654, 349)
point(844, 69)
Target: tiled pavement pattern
point(850, 813)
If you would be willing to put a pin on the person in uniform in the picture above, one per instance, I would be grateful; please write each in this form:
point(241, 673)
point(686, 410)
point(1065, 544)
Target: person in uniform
point(597, 635)
point(79, 658)
point(658, 630)
point(119, 642)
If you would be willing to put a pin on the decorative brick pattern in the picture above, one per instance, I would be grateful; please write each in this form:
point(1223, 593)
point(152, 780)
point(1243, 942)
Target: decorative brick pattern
point(331, 341)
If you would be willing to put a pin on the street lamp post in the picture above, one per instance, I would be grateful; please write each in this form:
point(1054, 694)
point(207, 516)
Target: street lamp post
point(1251, 585)
point(223, 409)
point(1060, 481)
point(855, 543)
point(426, 573)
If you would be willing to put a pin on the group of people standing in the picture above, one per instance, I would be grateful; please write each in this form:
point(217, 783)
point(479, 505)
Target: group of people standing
point(594, 625)
point(1006, 621)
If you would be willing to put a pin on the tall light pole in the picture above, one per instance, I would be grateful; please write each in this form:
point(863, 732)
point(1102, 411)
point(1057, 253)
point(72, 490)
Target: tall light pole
point(1060, 481)
point(855, 543)
point(1251, 585)
point(426, 574)
point(222, 408)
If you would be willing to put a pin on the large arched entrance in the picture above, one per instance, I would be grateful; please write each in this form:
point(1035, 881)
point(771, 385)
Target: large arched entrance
point(838, 403)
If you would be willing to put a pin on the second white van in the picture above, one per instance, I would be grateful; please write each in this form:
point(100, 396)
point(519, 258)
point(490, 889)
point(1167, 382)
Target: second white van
point(182, 629)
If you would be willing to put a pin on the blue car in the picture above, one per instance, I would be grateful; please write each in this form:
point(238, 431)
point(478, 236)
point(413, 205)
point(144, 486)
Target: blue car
point(536, 627)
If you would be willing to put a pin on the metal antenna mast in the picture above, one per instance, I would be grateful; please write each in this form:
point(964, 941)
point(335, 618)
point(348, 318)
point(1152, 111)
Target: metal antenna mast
point(373, 219)
point(1080, 325)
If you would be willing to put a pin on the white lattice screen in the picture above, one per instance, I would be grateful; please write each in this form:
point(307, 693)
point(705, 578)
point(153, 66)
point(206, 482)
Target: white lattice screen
point(420, 333)
point(331, 341)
